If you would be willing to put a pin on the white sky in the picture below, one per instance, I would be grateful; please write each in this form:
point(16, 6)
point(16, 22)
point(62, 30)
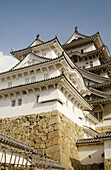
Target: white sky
point(6, 62)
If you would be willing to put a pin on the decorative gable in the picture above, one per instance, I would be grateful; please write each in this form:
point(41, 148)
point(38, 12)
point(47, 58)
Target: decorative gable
point(30, 59)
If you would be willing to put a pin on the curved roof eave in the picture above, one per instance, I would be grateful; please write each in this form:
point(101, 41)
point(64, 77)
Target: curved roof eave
point(14, 52)
point(92, 38)
point(94, 77)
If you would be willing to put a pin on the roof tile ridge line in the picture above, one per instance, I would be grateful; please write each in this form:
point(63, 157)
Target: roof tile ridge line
point(12, 138)
point(52, 78)
point(85, 139)
point(100, 84)
point(34, 46)
point(15, 142)
point(98, 100)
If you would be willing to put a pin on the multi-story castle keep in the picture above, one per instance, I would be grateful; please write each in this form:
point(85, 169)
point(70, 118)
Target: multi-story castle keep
point(58, 99)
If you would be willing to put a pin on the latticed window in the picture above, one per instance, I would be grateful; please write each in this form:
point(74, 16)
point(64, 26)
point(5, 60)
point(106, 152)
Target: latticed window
point(98, 115)
point(37, 98)
point(13, 103)
point(19, 102)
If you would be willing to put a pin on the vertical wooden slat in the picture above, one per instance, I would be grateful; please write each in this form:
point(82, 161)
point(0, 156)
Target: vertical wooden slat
point(11, 157)
point(5, 159)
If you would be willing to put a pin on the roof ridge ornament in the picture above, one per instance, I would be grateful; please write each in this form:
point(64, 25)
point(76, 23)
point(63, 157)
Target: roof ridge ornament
point(38, 37)
point(76, 29)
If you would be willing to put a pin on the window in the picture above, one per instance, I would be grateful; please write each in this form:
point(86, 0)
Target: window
point(98, 115)
point(37, 99)
point(13, 103)
point(9, 84)
point(19, 102)
point(91, 64)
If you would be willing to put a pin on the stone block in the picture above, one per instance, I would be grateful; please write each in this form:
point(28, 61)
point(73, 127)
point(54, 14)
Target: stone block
point(55, 119)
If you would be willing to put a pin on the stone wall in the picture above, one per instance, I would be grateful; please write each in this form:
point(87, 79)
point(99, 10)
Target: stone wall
point(103, 129)
point(52, 132)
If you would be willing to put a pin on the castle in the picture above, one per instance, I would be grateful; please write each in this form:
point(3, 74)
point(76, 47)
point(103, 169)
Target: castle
point(58, 99)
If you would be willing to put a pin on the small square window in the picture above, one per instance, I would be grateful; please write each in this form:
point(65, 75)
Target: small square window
point(37, 99)
point(13, 103)
point(19, 102)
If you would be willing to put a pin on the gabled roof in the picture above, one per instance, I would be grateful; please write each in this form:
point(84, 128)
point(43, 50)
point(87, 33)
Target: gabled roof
point(28, 50)
point(76, 36)
point(72, 42)
point(36, 58)
point(37, 41)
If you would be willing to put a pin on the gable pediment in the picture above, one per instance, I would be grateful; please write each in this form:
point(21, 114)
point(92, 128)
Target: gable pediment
point(30, 59)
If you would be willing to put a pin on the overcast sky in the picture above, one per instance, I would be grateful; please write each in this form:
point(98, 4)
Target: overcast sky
point(22, 20)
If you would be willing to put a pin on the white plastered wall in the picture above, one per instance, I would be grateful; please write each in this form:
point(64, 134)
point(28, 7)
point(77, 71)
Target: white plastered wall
point(107, 149)
point(91, 154)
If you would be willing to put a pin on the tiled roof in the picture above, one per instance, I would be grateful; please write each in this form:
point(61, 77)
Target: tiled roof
point(105, 84)
point(98, 101)
point(81, 41)
point(99, 138)
point(5, 139)
point(14, 52)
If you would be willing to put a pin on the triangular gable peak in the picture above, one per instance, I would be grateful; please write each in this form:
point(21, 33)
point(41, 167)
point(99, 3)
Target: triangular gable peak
point(49, 50)
point(30, 59)
point(76, 36)
point(37, 41)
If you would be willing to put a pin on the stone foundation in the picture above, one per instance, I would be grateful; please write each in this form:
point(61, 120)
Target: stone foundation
point(52, 132)
point(103, 129)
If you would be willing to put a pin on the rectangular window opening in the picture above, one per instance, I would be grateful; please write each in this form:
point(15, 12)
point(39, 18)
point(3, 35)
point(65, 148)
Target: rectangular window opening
point(13, 103)
point(19, 102)
point(37, 99)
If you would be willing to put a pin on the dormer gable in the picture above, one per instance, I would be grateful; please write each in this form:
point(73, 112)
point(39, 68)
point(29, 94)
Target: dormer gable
point(30, 59)
point(76, 36)
point(37, 41)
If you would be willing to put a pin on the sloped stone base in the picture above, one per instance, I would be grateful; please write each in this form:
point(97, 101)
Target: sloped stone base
point(52, 132)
